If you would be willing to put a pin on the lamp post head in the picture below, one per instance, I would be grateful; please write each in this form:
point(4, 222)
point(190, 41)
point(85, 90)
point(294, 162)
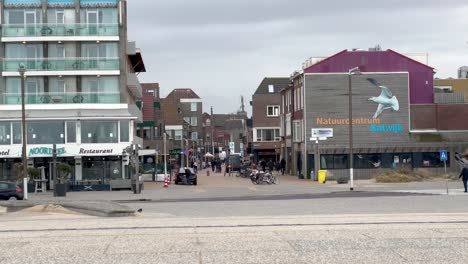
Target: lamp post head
point(22, 68)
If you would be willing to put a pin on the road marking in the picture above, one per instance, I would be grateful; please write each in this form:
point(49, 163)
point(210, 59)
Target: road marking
point(200, 190)
point(252, 188)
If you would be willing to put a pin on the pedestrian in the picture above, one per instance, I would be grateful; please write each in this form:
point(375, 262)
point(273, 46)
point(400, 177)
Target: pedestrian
point(195, 166)
point(270, 165)
point(299, 167)
point(213, 165)
point(188, 175)
point(263, 165)
point(282, 166)
point(464, 176)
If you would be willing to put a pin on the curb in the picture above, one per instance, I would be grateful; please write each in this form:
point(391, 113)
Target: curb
point(95, 208)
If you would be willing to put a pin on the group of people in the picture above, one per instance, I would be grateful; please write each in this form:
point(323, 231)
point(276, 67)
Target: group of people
point(271, 165)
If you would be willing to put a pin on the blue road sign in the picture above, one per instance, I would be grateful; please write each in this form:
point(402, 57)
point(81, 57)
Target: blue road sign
point(443, 155)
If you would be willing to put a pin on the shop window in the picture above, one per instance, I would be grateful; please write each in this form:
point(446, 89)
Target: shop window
point(429, 160)
point(71, 132)
point(5, 133)
point(328, 162)
point(17, 137)
point(99, 132)
point(124, 131)
point(367, 161)
point(394, 160)
point(45, 132)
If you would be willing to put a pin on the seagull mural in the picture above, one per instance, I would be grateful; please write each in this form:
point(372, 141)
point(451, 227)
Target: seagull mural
point(386, 100)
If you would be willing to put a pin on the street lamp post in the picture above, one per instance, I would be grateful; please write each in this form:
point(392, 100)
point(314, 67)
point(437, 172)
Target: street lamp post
point(353, 71)
point(22, 71)
point(165, 156)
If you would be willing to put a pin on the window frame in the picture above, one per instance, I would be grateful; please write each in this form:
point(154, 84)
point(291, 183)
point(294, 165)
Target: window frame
point(275, 110)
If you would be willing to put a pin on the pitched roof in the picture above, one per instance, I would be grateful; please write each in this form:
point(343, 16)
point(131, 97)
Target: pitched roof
point(185, 93)
point(278, 84)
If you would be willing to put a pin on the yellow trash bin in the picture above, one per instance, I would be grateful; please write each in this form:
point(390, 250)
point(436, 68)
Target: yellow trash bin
point(322, 176)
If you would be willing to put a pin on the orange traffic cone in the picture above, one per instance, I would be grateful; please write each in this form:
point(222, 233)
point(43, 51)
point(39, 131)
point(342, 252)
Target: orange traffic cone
point(166, 183)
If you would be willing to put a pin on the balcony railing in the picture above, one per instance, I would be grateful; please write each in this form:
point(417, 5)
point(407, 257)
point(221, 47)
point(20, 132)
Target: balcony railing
point(63, 98)
point(65, 30)
point(62, 64)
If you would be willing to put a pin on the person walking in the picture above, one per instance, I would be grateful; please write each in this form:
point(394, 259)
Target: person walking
point(282, 166)
point(464, 176)
point(195, 166)
point(263, 165)
point(299, 167)
point(270, 165)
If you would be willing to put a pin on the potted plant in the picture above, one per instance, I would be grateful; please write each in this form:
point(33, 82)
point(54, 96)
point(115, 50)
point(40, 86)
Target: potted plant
point(63, 171)
point(34, 174)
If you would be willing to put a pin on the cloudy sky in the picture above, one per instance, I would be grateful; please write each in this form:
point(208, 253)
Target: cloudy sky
point(222, 49)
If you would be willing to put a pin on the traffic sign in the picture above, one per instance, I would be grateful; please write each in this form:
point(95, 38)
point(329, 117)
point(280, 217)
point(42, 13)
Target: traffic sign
point(443, 155)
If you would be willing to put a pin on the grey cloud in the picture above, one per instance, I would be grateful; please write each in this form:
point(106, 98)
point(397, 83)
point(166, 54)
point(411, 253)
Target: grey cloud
point(224, 48)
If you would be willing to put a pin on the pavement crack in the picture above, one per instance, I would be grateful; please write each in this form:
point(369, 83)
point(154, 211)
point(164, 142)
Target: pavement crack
point(109, 245)
point(401, 256)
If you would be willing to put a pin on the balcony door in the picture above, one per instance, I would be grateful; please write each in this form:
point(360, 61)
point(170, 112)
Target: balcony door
point(93, 89)
point(92, 53)
point(32, 92)
point(32, 56)
point(31, 20)
point(92, 19)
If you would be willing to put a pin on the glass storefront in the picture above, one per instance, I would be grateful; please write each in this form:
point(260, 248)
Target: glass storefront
point(7, 169)
point(100, 170)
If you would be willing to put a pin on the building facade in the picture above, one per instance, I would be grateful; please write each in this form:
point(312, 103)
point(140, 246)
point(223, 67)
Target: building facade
point(80, 87)
point(183, 116)
point(405, 130)
point(266, 109)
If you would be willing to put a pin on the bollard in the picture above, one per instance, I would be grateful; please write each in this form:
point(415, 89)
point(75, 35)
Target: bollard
point(208, 173)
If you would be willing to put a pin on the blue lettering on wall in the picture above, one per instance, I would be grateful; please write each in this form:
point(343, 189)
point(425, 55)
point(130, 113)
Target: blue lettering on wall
point(393, 128)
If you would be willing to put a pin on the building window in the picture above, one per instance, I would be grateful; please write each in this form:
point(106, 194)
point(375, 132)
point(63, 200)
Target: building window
point(147, 132)
point(297, 131)
point(273, 110)
point(156, 132)
point(124, 131)
point(178, 134)
point(268, 135)
point(193, 121)
point(45, 132)
point(271, 88)
point(194, 136)
point(5, 133)
point(429, 160)
point(288, 125)
point(208, 122)
point(193, 107)
point(99, 132)
point(368, 161)
point(329, 162)
point(71, 132)
point(17, 137)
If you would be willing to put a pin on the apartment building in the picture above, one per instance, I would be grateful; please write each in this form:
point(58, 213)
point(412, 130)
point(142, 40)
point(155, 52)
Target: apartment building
point(183, 122)
point(80, 87)
point(266, 109)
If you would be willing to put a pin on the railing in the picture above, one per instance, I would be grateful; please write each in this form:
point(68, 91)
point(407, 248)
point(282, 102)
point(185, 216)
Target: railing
point(62, 64)
point(62, 98)
point(44, 30)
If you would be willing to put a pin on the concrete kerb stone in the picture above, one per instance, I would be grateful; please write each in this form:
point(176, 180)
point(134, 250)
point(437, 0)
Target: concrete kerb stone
point(93, 208)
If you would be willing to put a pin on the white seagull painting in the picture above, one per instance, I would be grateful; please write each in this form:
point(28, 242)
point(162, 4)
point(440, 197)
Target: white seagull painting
point(386, 99)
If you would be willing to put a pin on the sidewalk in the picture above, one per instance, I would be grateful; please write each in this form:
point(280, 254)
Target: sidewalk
point(217, 185)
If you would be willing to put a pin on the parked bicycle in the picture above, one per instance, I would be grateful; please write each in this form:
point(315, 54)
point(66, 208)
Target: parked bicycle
point(260, 177)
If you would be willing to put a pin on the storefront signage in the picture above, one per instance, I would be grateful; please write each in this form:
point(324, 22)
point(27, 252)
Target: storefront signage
point(345, 121)
point(46, 151)
point(322, 132)
point(5, 153)
point(96, 151)
point(394, 128)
